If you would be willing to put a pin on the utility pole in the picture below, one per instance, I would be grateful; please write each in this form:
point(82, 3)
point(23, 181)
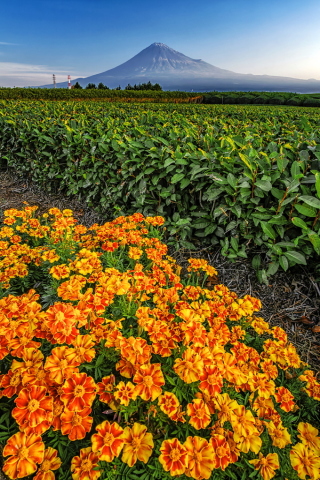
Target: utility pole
point(54, 80)
point(69, 82)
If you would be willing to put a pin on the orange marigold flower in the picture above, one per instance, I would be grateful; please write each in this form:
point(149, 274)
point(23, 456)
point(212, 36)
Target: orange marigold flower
point(248, 442)
point(58, 408)
point(60, 365)
point(110, 246)
point(149, 379)
point(190, 367)
point(242, 421)
point(83, 467)
point(105, 389)
point(11, 383)
point(126, 368)
point(124, 392)
point(108, 441)
point(50, 462)
point(168, 403)
point(60, 271)
point(25, 452)
point(225, 406)
point(194, 333)
point(211, 380)
point(71, 289)
point(263, 406)
point(260, 383)
point(83, 351)
point(135, 253)
point(138, 444)
point(267, 465)
point(305, 461)
point(270, 369)
point(199, 414)
point(155, 221)
point(309, 437)
point(61, 319)
point(173, 456)
point(222, 453)
point(33, 406)
point(285, 398)
point(79, 391)
point(76, 424)
point(200, 462)
point(135, 350)
point(279, 434)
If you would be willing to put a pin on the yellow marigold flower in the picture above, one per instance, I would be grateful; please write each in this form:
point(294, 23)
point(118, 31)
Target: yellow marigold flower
point(168, 403)
point(309, 437)
point(199, 414)
point(124, 392)
point(242, 421)
point(138, 444)
point(155, 221)
point(225, 406)
point(248, 442)
point(260, 383)
point(200, 462)
point(305, 461)
point(279, 434)
point(190, 367)
point(135, 253)
point(173, 456)
point(60, 271)
point(266, 465)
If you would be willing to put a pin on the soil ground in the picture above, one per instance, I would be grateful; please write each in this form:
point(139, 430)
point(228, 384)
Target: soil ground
point(291, 301)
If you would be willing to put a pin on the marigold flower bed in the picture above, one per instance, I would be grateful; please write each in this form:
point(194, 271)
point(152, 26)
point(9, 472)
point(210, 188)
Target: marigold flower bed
point(115, 365)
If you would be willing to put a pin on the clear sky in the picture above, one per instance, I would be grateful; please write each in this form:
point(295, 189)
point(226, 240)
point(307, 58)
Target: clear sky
point(85, 37)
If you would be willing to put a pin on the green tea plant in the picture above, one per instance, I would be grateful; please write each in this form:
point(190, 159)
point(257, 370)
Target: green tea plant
point(240, 178)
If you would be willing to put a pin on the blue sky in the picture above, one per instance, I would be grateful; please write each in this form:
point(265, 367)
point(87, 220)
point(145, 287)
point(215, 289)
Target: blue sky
point(81, 38)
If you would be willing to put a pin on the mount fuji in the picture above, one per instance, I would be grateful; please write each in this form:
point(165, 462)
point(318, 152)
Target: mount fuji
point(173, 70)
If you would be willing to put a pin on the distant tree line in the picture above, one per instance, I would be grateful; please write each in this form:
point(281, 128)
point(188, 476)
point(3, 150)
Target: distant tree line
point(101, 86)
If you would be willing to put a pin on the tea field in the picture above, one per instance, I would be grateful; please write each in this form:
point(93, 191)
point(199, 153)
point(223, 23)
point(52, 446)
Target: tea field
point(235, 177)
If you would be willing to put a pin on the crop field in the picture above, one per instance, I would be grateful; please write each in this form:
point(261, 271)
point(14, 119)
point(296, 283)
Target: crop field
point(116, 363)
point(233, 176)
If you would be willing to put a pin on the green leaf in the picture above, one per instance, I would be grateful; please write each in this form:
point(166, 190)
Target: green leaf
point(306, 210)
point(234, 243)
point(168, 162)
point(256, 262)
point(317, 175)
point(268, 230)
point(177, 177)
point(282, 163)
point(231, 225)
point(300, 223)
point(277, 193)
point(273, 268)
point(231, 179)
point(313, 201)
point(265, 185)
point(284, 263)
point(315, 240)
point(293, 185)
point(185, 182)
point(296, 257)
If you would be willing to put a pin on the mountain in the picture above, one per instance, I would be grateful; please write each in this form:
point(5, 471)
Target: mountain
point(159, 63)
